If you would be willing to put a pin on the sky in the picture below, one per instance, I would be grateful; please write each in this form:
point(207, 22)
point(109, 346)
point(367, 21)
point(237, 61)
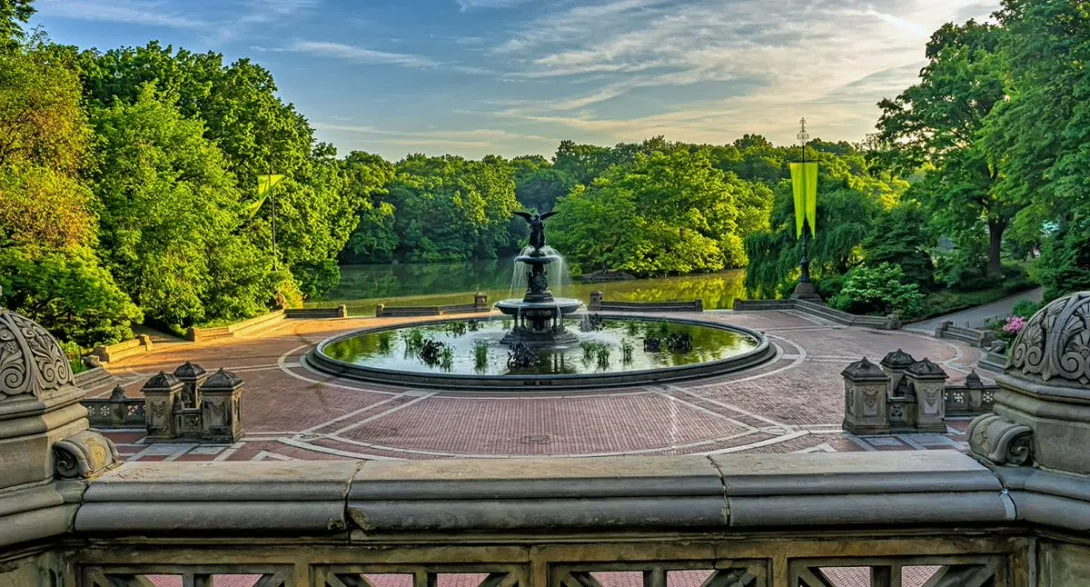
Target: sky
point(511, 77)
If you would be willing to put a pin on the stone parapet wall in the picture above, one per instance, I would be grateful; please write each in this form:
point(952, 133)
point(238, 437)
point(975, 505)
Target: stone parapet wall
point(820, 310)
point(197, 334)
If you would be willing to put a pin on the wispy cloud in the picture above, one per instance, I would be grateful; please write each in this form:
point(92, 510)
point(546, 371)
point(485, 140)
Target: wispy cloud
point(360, 54)
point(468, 5)
point(830, 60)
point(139, 12)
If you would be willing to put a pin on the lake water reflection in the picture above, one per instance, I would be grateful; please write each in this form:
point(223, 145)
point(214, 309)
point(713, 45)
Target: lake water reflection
point(435, 284)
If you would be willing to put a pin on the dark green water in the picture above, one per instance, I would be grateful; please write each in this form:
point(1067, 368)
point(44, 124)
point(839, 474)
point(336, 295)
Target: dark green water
point(478, 350)
point(437, 284)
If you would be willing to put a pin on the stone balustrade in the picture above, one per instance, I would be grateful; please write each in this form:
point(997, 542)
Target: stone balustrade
point(1014, 513)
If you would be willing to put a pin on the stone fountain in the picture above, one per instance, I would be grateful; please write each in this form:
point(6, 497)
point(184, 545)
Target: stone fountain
point(539, 317)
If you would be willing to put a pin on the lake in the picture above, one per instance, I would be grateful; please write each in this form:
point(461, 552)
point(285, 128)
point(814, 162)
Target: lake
point(439, 284)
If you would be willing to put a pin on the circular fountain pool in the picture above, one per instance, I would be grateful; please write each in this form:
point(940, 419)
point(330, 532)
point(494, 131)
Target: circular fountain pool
point(609, 351)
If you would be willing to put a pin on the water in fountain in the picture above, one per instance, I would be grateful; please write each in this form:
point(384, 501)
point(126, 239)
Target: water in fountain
point(558, 273)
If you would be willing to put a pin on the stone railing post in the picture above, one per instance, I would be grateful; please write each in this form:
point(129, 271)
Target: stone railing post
point(940, 330)
point(895, 364)
point(192, 376)
point(221, 407)
point(342, 311)
point(161, 394)
point(480, 302)
point(865, 398)
point(928, 381)
point(380, 310)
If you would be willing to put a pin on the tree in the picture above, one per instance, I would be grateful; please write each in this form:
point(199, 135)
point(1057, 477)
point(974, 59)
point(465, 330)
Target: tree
point(900, 239)
point(171, 215)
point(373, 239)
point(664, 214)
point(1041, 134)
point(13, 13)
point(938, 122)
point(67, 292)
point(451, 209)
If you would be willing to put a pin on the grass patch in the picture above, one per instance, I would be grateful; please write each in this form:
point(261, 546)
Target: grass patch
point(77, 366)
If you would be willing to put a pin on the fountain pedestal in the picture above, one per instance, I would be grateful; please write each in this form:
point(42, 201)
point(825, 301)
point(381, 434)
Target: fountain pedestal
point(539, 317)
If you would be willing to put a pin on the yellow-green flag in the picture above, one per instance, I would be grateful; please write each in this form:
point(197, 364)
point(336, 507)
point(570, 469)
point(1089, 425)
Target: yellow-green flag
point(264, 184)
point(804, 179)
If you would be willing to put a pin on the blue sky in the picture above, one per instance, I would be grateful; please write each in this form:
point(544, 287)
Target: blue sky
point(509, 77)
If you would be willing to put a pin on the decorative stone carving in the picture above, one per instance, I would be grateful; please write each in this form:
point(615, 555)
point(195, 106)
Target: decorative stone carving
point(84, 455)
point(1055, 343)
point(928, 384)
point(1001, 441)
point(221, 407)
point(31, 361)
point(865, 394)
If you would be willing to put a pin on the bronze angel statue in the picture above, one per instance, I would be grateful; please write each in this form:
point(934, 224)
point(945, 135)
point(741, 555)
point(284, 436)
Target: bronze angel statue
point(537, 227)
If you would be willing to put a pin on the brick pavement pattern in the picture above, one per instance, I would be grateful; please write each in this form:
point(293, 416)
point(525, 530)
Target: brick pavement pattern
point(791, 404)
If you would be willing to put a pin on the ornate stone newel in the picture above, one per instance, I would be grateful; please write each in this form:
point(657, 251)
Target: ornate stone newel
point(1042, 411)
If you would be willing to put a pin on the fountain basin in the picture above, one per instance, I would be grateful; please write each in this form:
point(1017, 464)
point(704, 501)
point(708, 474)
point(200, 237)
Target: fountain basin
point(379, 355)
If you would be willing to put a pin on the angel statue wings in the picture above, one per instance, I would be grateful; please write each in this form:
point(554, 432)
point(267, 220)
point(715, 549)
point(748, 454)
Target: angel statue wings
point(537, 227)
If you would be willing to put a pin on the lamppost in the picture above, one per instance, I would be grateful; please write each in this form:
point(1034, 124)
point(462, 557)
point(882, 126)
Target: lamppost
point(804, 180)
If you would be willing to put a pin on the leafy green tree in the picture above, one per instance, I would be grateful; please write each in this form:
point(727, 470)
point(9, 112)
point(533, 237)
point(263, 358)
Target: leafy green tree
point(68, 292)
point(374, 238)
point(13, 14)
point(1041, 133)
point(170, 217)
point(937, 124)
point(664, 214)
point(451, 209)
point(540, 188)
point(900, 239)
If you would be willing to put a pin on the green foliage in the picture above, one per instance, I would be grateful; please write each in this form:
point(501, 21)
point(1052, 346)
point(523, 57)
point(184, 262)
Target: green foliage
point(170, 218)
point(881, 290)
point(937, 124)
point(1025, 308)
point(900, 238)
point(451, 209)
point(666, 213)
point(1065, 261)
point(14, 13)
point(67, 292)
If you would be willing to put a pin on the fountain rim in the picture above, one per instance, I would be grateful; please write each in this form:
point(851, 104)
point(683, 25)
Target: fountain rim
point(317, 360)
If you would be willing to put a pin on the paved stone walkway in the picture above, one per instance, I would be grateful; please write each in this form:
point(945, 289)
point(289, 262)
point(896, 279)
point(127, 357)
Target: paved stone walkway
point(792, 404)
point(979, 316)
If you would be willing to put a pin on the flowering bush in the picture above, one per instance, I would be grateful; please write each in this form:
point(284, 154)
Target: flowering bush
point(1014, 325)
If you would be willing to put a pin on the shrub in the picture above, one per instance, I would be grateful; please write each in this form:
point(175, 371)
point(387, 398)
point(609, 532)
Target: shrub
point(878, 290)
point(900, 238)
point(1025, 309)
point(830, 286)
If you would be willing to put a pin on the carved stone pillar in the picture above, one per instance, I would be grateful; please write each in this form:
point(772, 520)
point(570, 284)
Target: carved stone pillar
point(221, 407)
point(162, 394)
point(928, 381)
point(865, 394)
point(44, 434)
point(191, 376)
point(1042, 409)
point(895, 364)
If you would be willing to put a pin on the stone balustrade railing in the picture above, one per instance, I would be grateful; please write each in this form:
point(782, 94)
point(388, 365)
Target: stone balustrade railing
point(479, 305)
point(749, 520)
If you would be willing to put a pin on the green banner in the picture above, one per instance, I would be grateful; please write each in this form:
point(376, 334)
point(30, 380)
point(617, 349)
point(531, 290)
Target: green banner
point(804, 180)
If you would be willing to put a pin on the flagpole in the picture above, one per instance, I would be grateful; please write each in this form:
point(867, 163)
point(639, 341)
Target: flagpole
point(805, 290)
point(804, 277)
point(272, 195)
